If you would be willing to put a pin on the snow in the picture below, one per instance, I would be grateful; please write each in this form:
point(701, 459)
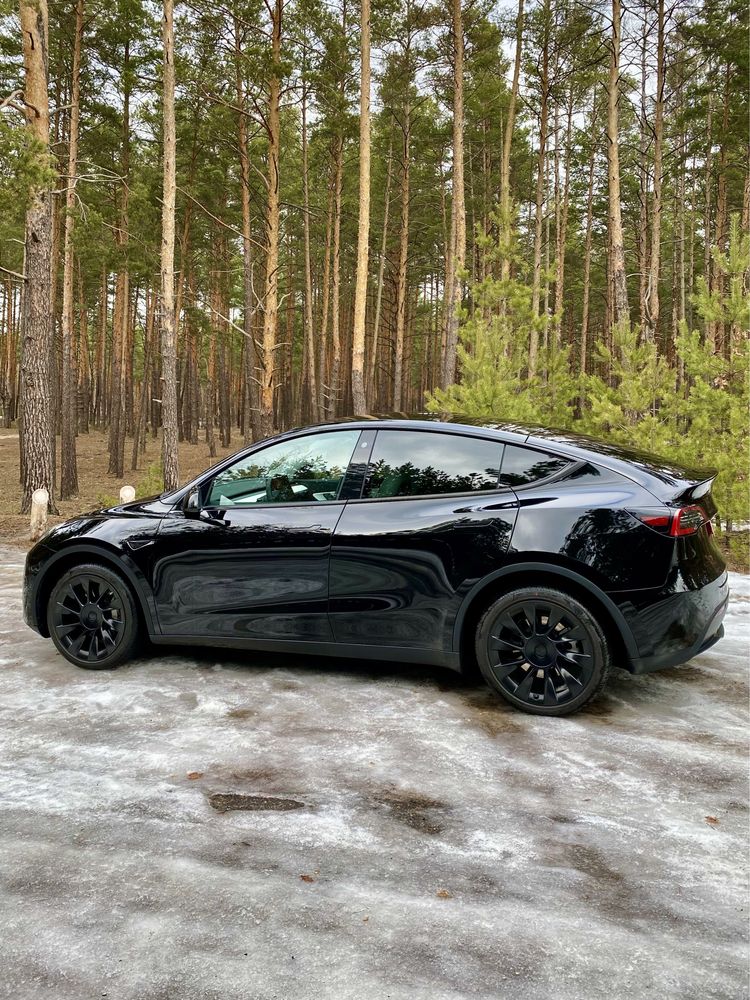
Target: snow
point(451, 847)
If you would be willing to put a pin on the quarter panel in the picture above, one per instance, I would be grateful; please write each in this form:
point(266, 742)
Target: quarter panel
point(589, 526)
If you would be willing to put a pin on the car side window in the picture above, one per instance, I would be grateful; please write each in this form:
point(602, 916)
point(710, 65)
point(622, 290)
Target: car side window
point(522, 466)
point(420, 463)
point(305, 469)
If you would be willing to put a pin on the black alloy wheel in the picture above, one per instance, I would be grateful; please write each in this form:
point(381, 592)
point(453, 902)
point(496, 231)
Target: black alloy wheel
point(92, 617)
point(542, 651)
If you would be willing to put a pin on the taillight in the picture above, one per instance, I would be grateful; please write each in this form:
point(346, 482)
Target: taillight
point(676, 523)
point(686, 521)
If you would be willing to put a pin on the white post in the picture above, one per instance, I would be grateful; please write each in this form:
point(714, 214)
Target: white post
point(127, 494)
point(39, 508)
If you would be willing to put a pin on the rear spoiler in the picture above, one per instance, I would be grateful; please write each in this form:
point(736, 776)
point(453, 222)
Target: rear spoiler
point(698, 493)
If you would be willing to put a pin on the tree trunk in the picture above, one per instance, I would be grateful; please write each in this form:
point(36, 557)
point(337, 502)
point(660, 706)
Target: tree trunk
point(381, 276)
point(588, 242)
point(539, 204)
point(271, 297)
point(309, 366)
point(621, 312)
point(652, 308)
point(643, 268)
point(121, 312)
point(68, 465)
point(359, 400)
point(251, 420)
point(335, 369)
point(35, 435)
point(169, 449)
point(506, 220)
point(398, 361)
point(458, 209)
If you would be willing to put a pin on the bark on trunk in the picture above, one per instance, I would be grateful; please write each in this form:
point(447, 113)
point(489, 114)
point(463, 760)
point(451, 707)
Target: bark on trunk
point(621, 312)
point(271, 297)
point(251, 418)
point(69, 423)
point(310, 379)
point(398, 363)
point(169, 449)
point(539, 205)
point(381, 275)
point(652, 307)
point(458, 209)
point(506, 220)
point(35, 436)
point(359, 400)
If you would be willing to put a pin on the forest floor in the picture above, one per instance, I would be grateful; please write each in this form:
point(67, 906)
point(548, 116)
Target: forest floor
point(220, 826)
point(96, 487)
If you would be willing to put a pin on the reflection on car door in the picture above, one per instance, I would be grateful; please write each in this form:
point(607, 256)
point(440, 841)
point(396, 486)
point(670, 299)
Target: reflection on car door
point(256, 570)
point(404, 557)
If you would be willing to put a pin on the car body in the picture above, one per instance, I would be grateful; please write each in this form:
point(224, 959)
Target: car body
point(392, 537)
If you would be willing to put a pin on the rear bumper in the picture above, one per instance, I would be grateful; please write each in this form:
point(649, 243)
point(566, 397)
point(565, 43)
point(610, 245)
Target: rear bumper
point(679, 627)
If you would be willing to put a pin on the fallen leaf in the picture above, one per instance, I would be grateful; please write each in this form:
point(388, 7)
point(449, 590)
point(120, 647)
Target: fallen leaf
point(194, 775)
point(712, 820)
point(444, 894)
point(307, 878)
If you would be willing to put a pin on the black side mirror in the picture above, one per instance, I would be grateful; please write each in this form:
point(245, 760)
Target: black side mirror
point(192, 505)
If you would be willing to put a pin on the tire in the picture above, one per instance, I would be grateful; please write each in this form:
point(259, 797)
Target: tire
point(92, 617)
point(537, 667)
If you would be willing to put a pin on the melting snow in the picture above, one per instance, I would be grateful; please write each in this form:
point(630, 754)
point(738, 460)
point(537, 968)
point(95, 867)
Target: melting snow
point(446, 846)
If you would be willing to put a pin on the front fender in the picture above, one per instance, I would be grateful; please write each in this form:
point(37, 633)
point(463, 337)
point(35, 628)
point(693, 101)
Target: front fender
point(39, 584)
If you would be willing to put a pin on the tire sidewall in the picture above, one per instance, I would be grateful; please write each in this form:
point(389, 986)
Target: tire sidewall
point(595, 633)
point(127, 641)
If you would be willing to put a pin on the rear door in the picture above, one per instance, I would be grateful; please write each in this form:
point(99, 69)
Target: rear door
point(432, 520)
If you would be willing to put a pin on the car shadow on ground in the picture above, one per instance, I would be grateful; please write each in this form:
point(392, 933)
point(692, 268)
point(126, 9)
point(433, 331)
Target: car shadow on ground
point(622, 688)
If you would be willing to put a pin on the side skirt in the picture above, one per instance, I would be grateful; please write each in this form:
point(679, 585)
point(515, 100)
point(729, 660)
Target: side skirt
point(349, 650)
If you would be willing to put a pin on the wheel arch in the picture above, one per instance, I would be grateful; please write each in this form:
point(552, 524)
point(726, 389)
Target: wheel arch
point(533, 574)
point(75, 555)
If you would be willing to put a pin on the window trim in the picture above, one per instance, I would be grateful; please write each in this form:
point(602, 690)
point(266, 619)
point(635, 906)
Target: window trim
point(206, 485)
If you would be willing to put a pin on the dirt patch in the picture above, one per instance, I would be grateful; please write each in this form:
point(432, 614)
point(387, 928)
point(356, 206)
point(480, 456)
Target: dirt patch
point(224, 802)
point(413, 809)
point(242, 713)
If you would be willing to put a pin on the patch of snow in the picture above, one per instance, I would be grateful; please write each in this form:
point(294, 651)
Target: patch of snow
point(446, 846)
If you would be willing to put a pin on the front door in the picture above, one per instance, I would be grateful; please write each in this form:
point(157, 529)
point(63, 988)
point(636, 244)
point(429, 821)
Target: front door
point(254, 564)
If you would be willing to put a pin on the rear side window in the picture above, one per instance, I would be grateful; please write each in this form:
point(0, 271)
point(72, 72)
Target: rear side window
point(421, 463)
point(522, 466)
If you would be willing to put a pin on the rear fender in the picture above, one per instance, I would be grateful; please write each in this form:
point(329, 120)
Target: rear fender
point(549, 574)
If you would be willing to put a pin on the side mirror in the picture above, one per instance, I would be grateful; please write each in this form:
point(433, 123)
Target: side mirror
point(192, 504)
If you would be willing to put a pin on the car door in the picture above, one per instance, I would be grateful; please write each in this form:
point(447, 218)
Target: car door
point(432, 520)
point(250, 559)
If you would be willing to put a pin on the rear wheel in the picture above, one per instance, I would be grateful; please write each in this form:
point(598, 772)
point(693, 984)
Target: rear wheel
point(542, 651)
point(92, 617)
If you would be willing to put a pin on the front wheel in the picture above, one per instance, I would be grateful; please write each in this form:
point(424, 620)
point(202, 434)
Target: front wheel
point(92, 617)
point(542, 651)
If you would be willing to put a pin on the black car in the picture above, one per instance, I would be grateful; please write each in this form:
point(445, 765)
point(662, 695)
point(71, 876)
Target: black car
point(542, 558)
